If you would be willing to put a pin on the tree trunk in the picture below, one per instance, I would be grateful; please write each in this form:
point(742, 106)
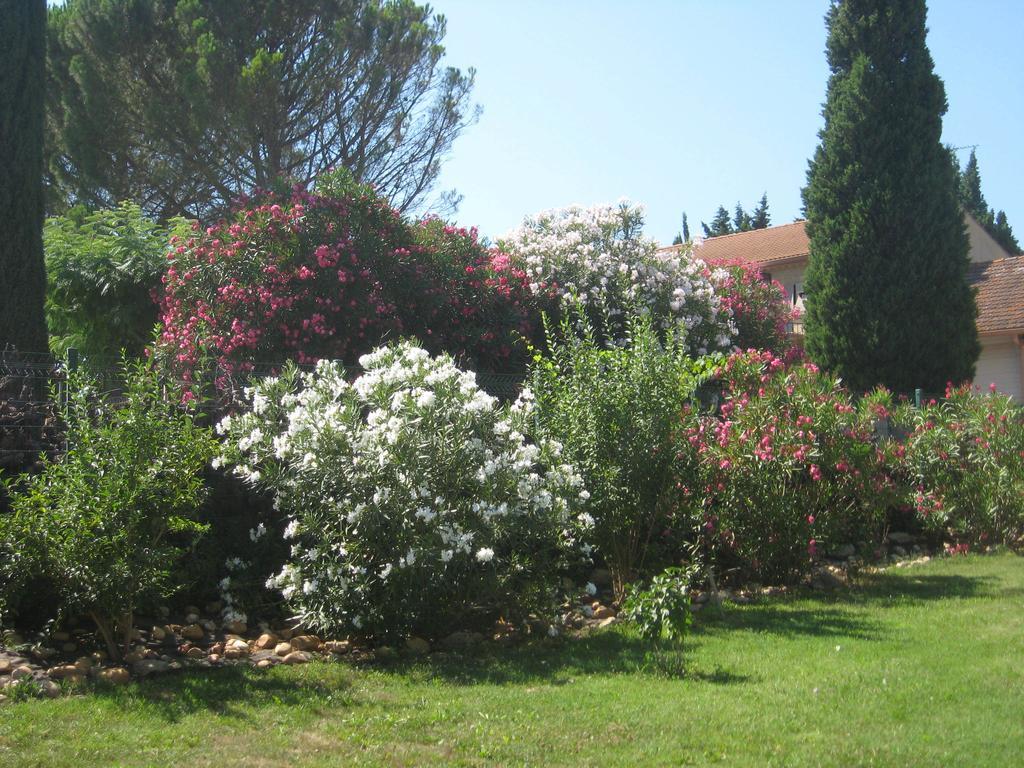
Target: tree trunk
point(22, 269)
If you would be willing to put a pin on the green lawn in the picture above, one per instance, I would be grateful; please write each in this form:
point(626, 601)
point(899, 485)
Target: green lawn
point(918, 666)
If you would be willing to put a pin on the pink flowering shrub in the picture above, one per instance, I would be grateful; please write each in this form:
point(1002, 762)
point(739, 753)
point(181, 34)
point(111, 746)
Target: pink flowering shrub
point(965, 460)
point(787, 469)
point(329, 274)
point(759, 308)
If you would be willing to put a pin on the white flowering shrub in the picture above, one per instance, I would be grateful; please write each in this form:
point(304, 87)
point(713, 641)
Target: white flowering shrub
point(600, 257)
point(416, 503)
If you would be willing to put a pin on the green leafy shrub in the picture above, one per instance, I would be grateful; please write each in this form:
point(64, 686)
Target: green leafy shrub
point(616, 411)
point(790, 469)
point(104, 269)
point(415, 503)
point(965, 459)
point(108, 523)
point(661, 614)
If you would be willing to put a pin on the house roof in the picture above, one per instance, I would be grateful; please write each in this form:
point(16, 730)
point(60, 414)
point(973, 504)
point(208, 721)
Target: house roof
point(761, 246)
point(1000, 285)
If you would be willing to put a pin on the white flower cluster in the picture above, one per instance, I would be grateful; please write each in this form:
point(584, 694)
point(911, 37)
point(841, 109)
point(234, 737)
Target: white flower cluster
point(404, 490)
point(600, 257)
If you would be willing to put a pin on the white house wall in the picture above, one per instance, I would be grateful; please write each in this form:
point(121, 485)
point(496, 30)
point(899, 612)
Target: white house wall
point(1000, 363)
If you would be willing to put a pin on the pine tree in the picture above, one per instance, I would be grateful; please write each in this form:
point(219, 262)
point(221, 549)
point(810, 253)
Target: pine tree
point(887, 295)
point(760, 219)
point(1003, 234)
point(686, 229)
point(970, 189)
point(740, 219)
point(22, 270)
point(720, 225)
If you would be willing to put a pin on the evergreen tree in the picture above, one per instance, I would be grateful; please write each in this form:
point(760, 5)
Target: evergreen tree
point(970, 189)
point(684, 236)
point(720, 225)
point(1003, 234)
point(887, 295)
point(740, 219)
point(760, 218)
point(973, 201)
point(22, 271)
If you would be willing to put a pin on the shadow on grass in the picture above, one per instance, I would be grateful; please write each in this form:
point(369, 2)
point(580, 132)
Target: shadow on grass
point(556, 663)
point(780, 618)
point(907, 586)
point(235, 692)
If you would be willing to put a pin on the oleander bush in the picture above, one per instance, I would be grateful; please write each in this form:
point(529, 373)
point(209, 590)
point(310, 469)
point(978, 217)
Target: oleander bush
point(965, 462)
point(108, 523)
point(600, 258)
point(760, 309)
point(789, 469)
point(415, 502)
point(330, 273)
point(616, 411)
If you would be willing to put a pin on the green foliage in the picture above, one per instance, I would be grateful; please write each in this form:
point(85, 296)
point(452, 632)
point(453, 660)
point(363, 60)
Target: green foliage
point(108, 523)
point(22, 277)
point(661, 612)
point(887, 294)
point(184, 104)
point(104, 268)
point(661, 615)
point(965, 458)
point(973, 201)
point(741, 221)
point(616, 412)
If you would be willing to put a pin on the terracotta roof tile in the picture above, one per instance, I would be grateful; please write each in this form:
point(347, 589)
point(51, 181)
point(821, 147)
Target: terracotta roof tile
point(1000, 285)
point(761, 246)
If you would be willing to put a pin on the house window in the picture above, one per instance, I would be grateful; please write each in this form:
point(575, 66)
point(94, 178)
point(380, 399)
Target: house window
point(767, 277)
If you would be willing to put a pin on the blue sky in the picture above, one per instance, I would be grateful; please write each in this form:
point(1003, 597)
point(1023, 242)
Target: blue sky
point(683, 105)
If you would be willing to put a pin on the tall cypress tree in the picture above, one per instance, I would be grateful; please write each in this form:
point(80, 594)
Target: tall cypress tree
point(970, 190)
point(887, 295)
point(22, 270)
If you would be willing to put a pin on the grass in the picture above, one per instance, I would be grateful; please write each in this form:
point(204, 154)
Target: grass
point(918, 666)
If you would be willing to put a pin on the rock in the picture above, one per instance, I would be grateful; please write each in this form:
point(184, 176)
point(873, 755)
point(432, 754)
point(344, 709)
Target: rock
point(193, 632)
point(265, 641)
point(899, 551)
point(213, 658)
point(208, 625)
point(385, 653)
point(265, 664)
point(606, 622)
point(5, 666)
point(297, 657)
point(158, 634)
point(337, 646)
point(83, 664)
point(150, 667)
point(283, 649)
point(306, 643)
point(134, 657)
point(899, 537)
point(63, 671)
point(24, 672)
point(458, 641)
point(417, 646)
point(195, 652)
point(49, 689)
point(192, 617)
point(44, 652)
point(603, 612)
point(115, 675)
point(828, 579)
point(13, 639)
point(215, 607)
point(235, 627)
